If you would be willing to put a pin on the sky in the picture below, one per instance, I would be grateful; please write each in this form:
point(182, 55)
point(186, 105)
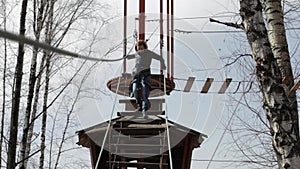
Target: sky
point(203, 113)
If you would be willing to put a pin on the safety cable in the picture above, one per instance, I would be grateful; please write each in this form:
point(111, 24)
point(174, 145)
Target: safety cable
point(135, 31)
point(111, 116)
point(109, 124)
point(25, 40)
point(152, 34)
point(167, 125)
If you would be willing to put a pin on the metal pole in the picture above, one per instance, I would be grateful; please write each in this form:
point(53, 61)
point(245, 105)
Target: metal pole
point(125, 36)
point(172, 40)
point(161, 24)
point(142, 20)
point(168, 38)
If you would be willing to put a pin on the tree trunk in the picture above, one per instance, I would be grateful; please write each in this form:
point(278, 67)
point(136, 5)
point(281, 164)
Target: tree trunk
point(280, 109)
point(3, 83)
point(12, 144)
point(277, 37)
point(44, 117)
point(32, 80)
point(34, 108)
point(48, 35)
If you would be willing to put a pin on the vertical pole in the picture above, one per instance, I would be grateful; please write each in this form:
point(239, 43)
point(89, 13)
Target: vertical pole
point(168, 38)
point(125, 35)
point(172, 40)
point(161, 24)
point(185, 151)
point(141, 37)
point(142, 20)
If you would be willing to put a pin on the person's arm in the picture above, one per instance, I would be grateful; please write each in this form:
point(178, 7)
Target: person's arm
point(158, 57)
point(131, 56)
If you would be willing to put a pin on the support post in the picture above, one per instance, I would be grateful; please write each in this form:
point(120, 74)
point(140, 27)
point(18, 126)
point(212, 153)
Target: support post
point(125, 36)
point(142, 20)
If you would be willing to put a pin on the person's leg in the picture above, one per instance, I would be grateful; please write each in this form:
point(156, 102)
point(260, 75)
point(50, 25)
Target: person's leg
point(145, 93)
point(136, 88)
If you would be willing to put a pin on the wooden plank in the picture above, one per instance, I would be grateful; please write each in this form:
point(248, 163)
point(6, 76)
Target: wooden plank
point(136, 164)
point(296, 86)
point(225, 85)
point(189, 84)
point(133, 113)
point(143, 126)
point(155, 104)
point(207, 85)
point(162, 100)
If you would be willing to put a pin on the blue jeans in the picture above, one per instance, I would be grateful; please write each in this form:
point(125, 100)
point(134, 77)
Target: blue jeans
point(142, 84)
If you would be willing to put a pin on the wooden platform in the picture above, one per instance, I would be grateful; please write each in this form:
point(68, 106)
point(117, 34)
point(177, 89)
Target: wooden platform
point(157, 85)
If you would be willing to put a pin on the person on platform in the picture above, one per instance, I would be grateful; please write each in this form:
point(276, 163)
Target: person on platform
point(141, 74)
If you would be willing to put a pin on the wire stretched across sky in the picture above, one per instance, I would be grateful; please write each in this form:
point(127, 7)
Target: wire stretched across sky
point(23, 39)
point(217, 31)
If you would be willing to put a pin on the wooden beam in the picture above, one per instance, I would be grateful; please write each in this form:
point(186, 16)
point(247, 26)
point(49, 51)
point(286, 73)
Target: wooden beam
point(133, 113)
point(225, 85)
point(155, 104)
point(185, 151)
point(207, 85)
point(160, 100)
point(189, 84)
point(296, 86)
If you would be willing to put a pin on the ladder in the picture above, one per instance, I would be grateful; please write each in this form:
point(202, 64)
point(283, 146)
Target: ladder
point(139, 142)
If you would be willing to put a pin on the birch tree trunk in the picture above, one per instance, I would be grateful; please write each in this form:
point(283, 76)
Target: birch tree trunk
point(4, 82)
point(38, 25)
point(34, 109)
point(14, 122)
point(48, 35)
point(272, 68)
point(277, 37)
point(44, 116)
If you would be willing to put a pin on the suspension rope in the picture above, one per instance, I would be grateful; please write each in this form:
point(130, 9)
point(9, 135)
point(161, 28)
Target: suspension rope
point(167, 124)
point(109, 124)
point(25, 40)
point(111, 115)
point(152, 34)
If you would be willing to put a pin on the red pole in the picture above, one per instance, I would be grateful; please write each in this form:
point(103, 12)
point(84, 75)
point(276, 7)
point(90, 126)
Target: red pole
point(185, 152)
point(161, 24)
point(125, 35)
point(172, 40)
point(168, 38)
point(142, 20)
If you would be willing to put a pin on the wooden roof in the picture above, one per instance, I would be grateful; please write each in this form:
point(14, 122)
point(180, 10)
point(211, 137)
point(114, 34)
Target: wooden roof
point(137, 125)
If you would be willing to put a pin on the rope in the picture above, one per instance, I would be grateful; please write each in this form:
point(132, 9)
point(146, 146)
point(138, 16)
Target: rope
point(109, 124)
point(152, 34)
point(23, 39)
point(111, 116)
point(168, 133)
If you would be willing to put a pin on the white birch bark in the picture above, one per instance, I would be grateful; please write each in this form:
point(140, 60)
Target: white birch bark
point(48, 35)
point(280, 109)
point(3, 2)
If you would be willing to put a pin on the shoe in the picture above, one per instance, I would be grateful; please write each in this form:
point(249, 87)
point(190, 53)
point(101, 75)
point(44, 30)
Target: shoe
point(144, 113)
point(138, 109)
